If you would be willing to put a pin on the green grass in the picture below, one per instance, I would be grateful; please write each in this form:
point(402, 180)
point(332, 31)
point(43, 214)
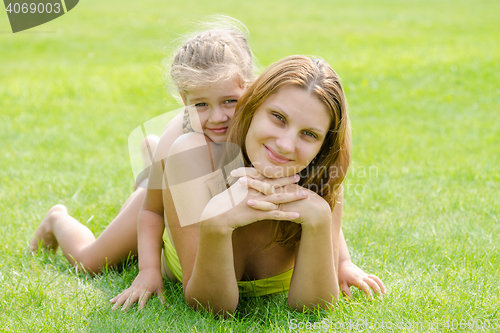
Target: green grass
point(422, 79)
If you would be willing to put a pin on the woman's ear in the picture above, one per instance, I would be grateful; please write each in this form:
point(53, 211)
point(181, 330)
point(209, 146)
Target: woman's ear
point(183, 96)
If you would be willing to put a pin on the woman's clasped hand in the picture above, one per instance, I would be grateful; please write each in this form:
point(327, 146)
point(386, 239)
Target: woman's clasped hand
point(281, 198)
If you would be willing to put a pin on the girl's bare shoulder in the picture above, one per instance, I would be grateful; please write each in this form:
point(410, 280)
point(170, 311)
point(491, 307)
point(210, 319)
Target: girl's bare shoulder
point(172, 132)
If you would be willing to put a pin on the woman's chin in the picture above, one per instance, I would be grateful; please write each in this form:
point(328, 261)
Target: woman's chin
point(275, 171)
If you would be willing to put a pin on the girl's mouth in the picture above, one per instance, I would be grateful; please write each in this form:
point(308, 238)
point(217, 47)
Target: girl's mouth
point(220, 130)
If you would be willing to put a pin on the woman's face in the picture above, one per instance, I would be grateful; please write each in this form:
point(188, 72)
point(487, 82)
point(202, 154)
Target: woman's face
point(287, 132)
point(212, 108)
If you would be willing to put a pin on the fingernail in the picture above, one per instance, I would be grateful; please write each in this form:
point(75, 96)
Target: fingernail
point(295, 216)
point(303, 193)
point(233, 173)
point(243, 180)
point(297, 177)
point(251, 203)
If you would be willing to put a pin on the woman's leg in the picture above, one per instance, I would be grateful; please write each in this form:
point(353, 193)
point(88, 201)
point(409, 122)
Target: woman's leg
point(79, 244)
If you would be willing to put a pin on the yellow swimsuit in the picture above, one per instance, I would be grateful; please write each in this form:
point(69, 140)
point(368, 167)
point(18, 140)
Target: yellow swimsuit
point(272, 285)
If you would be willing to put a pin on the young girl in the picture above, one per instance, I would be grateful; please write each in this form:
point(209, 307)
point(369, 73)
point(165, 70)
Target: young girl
point(263, 234)
point(210, 70)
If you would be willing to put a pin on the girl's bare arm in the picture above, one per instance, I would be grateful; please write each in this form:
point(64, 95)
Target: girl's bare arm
point(150, 228)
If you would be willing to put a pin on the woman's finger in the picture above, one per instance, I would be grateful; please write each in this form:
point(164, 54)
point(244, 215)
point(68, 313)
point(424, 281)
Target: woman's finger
point(262, 205)
point(285, 197)
point(250, 172)
point(257, 185)
point(280, 182)
point(279, 215)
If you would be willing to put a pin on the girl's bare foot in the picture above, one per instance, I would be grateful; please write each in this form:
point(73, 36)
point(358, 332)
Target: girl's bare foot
point(44, 234)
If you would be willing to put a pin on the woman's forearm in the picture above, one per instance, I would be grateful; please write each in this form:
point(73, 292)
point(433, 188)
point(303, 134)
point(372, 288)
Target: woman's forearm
point(213, 281)
point(314, 279)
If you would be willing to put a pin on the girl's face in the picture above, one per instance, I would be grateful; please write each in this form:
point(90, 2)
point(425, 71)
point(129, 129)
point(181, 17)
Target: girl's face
point(212, 108)
point(286, 132)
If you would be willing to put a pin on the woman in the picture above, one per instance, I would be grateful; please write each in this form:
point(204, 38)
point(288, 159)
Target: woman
point(292, 120)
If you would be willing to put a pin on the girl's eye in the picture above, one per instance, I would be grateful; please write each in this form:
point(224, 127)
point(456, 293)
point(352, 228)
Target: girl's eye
point(201, 105)
point(229, 101)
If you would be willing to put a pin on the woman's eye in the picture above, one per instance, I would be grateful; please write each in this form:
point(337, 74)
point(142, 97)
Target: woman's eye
point(310, 134)
point(278, 116)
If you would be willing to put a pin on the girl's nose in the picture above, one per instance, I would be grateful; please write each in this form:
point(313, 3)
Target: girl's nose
point(217, 115)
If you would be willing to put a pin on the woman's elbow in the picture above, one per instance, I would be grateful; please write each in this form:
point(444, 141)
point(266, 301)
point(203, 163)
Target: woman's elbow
point(301, 305)
point(219, 308)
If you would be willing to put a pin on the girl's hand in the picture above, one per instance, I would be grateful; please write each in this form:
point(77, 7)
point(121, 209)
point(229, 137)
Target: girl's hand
point(352, 275)
point(147, 282)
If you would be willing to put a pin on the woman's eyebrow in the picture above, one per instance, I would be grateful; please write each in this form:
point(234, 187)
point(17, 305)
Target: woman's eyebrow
point(273, 107)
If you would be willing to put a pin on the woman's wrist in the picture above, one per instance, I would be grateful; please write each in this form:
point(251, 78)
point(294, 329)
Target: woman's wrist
point(320, 224)
point(216, 226)
point(319, 213)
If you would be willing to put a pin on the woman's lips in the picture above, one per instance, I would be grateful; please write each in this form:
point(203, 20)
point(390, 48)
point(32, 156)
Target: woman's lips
point(220, 130)
point(276, 157)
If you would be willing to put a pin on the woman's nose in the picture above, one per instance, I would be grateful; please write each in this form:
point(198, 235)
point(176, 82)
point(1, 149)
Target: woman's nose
point(286, 143)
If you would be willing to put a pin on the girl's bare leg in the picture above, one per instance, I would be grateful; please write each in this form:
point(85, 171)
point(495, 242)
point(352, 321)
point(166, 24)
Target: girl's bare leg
point(130, 198)
point(79, 244)
point(148, 146)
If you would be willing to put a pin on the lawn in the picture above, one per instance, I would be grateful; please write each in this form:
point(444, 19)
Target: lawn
point(422, 203)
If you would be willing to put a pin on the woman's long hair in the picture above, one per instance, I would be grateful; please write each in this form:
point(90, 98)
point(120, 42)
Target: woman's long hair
point(324, 175)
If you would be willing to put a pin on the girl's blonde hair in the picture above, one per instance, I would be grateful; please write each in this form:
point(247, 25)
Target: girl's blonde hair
point(220, 51)
point(324, 175)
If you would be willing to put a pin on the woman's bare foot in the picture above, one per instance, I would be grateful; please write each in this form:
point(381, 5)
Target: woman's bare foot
point(44, 235)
